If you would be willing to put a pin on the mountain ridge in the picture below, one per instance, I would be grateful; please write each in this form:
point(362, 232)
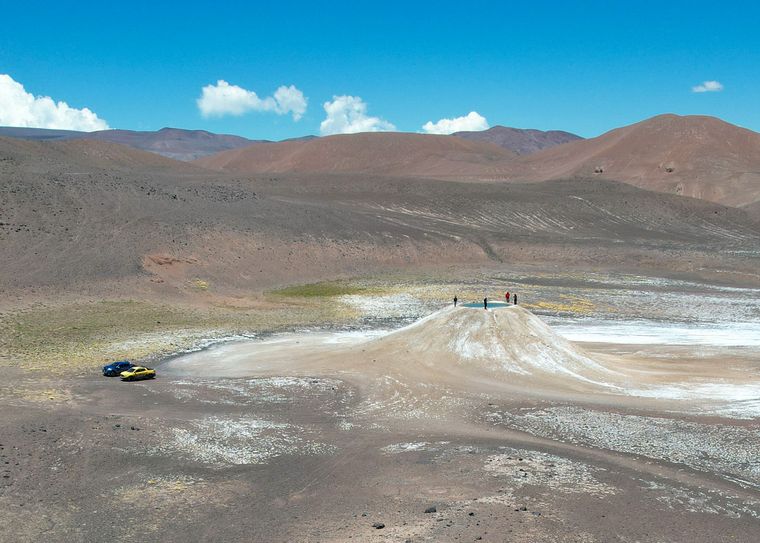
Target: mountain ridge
point(383, 153)
point(523, 141)
point(691, 155)
point(176, 143)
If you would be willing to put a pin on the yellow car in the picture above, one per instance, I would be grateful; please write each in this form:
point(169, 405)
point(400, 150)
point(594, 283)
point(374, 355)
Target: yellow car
point(138, 372)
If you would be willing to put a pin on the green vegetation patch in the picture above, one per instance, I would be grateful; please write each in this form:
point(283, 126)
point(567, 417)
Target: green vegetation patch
point(324, 290)
point(82, 336)
point(69, 335)
point(48, 327)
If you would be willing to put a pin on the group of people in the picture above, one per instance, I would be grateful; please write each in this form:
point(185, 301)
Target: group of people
point(485, 300)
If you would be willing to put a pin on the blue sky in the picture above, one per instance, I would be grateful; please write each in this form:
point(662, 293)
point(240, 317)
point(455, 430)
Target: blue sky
point(585, 67)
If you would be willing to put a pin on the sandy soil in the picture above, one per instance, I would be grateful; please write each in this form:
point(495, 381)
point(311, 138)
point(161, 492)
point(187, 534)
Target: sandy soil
point(318, 436)
point(107, 252)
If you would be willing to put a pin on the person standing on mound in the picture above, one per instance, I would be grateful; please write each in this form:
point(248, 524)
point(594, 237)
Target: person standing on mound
point(515, 299)
point(455, 301)
point(506, 296)
point(485, 303)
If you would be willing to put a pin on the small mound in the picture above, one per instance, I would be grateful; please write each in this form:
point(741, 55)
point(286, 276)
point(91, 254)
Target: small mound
point(459, 348)
point(509, 343)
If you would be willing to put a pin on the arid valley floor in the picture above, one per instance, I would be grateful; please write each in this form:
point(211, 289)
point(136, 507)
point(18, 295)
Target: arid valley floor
point(319, 433)
point(315, 382)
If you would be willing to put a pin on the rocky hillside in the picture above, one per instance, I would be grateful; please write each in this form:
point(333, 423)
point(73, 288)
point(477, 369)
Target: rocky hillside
point(519, 140)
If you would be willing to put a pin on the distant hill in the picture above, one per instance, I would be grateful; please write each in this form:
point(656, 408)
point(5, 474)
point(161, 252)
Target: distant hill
point(521, 141)
point(382, 153)
point(174, 143)
point(698, 156)
point(82, 157)
point(39, 134)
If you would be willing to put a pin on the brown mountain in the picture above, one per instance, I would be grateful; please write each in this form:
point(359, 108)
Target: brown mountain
point(697, 156)
point(39, 134)
point(388, 153)
point(93, 217)
point(521, 141)
point(173, 143)
point(79, 157)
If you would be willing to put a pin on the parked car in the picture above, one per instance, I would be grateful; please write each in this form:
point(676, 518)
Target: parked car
point(137, 373)
point(115, 368)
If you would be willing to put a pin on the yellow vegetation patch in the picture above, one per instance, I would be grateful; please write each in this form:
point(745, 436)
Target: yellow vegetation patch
point(82, 337)
point(22, 394)
point(162, 496)
point(568, 303)
point(325, 289)
point(160, 488)
point(200, 284)
point(46, 395)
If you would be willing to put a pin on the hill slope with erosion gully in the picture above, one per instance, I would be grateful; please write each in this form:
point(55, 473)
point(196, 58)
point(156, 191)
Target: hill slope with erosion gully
point(79, 216)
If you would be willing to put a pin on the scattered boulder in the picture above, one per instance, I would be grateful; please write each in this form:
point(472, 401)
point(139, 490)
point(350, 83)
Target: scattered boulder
point(431, 509)
point(378, 525)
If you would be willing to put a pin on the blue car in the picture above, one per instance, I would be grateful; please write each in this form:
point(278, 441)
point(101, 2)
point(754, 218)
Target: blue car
point(114, 369)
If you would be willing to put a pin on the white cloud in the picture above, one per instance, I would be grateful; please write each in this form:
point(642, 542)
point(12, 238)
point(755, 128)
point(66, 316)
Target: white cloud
point(21, 108)
point(708, 86)
point(472, 121)
point(225, 99)
point(348, 115)
point(290, 99)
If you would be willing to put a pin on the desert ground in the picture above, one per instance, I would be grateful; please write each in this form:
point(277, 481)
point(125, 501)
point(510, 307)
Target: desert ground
point(630, 430)
point(315, 382)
